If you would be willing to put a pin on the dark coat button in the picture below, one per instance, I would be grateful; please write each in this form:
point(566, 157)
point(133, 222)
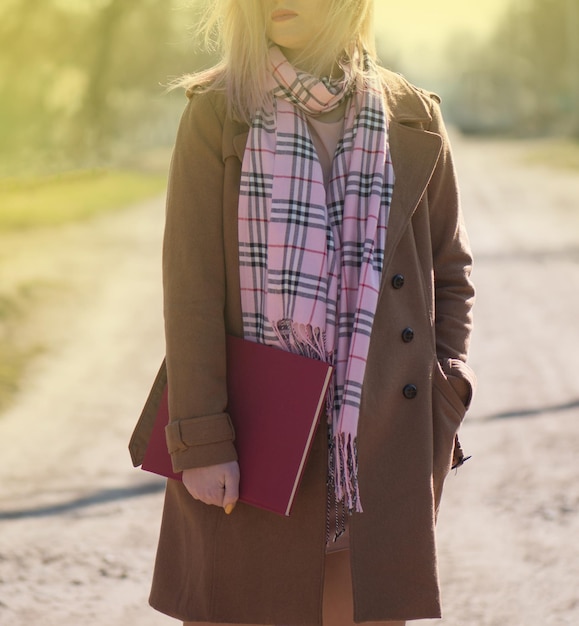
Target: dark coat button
point(407, 335)
point(410, 392)
point(398, 281)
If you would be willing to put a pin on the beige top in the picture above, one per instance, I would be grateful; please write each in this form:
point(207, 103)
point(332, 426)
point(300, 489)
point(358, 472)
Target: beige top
point(326, 136)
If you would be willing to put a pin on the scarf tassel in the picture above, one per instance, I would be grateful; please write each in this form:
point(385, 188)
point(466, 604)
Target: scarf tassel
point(302, 339)
point(344, 461)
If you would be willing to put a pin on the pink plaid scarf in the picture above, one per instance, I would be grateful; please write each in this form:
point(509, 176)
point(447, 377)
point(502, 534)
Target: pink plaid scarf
point(310, 258)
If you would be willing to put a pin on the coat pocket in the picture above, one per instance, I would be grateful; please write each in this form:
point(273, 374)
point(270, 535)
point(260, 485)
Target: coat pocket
point(448, 412)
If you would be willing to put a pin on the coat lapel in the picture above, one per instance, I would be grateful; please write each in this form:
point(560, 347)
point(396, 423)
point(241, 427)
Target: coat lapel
point(414, 154)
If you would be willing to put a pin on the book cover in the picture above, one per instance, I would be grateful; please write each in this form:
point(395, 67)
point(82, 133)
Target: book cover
point(275, 399)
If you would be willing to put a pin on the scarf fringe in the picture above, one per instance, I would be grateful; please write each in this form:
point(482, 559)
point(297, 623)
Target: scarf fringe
point(344, 477)
point(302, 339)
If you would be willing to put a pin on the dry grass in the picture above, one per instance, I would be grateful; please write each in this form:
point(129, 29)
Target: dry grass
point(51, 201)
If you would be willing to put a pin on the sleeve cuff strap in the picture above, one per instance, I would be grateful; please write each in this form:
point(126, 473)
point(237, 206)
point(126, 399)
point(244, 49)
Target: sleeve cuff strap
point(204, 456)
point(199, 431)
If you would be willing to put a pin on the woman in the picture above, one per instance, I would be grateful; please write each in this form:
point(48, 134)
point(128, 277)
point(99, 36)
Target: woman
point(273, 170)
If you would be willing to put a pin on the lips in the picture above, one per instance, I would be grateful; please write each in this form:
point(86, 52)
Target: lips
point(280, 15)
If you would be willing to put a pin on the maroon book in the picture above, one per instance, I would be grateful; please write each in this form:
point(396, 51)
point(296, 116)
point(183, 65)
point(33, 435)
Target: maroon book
point(275, 400)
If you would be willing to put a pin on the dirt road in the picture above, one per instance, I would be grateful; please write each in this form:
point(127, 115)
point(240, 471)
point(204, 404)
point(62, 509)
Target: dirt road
point(78, 525)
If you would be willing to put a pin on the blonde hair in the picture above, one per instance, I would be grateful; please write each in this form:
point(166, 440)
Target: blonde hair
point(237, 30)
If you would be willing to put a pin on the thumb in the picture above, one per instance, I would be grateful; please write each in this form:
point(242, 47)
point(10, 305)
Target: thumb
point(231, 494)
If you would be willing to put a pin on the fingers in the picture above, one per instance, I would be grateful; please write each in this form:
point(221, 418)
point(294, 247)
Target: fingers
point(216, 485)
point(208, 492)
point(231, 491)
point(202, 483)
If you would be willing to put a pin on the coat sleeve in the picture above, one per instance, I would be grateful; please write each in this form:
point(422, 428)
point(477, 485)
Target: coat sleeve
point(200, 432)
point(454, 292)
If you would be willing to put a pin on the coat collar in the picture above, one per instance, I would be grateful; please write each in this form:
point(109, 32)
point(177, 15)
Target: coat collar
point(414, 150)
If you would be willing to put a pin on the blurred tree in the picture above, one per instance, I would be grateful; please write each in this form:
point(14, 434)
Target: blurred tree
point(78, 79)
point(94, 114)
point(28, 73)
point(525, 78)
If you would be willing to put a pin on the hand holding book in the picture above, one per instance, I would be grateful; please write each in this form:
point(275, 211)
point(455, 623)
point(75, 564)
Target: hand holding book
point(216, 484)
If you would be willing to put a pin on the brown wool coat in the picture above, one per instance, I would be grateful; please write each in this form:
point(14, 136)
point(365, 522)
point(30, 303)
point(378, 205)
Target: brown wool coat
point(254, 566)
